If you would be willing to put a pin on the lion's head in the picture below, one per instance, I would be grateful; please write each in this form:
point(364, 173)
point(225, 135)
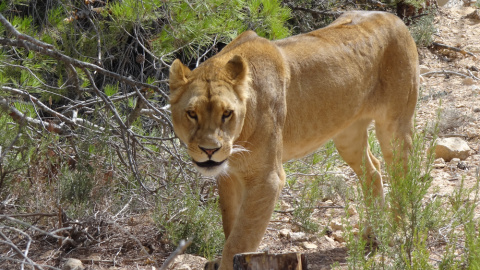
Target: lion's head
point(208, 109)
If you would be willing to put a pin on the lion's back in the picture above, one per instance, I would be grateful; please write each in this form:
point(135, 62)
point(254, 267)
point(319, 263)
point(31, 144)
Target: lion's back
point(361, 65)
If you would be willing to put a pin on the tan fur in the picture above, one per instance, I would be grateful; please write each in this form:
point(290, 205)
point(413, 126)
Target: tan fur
point(259, 103)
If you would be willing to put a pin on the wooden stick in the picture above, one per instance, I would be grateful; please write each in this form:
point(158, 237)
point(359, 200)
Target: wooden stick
point(446, 72)
point(462, 51)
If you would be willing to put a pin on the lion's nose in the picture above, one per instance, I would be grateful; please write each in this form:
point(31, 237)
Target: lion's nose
point(209, 152)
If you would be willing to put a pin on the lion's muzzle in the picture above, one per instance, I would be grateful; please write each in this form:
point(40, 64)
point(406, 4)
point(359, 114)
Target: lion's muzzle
point(211, 167)
point(209, 163)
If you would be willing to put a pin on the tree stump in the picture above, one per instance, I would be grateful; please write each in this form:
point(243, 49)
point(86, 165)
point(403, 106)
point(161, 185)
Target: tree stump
point(265, 261)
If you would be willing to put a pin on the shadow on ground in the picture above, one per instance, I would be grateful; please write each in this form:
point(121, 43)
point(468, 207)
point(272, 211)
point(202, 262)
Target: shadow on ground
point(325, 258)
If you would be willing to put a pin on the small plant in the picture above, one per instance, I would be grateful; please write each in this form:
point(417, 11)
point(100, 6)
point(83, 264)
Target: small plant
point(423, 29)
point(191, 217)
point(314, 181)
point(451, 119)
point(412, 222)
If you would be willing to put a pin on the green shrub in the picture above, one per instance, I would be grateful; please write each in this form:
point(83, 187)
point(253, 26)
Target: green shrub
point(191, 217)
point(422, 30)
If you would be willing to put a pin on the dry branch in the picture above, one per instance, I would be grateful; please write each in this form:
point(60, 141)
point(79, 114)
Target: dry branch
point(180, 249)
point(19, 117)
point(32, 215)
point(436, 44)
point(44, 107)
point(445, 72)
point(24, 254)
point(473, 76)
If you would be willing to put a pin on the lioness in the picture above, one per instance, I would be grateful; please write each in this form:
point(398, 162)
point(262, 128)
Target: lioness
point(259, 103)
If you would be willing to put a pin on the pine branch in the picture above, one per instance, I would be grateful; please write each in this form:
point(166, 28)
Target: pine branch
point(30, 43)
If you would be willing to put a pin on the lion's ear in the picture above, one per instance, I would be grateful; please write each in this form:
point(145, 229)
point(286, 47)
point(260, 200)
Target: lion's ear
point(177, 78)
point(237, 71)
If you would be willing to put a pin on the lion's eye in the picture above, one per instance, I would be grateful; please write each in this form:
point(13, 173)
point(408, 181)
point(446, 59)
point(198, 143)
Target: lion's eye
point(226, 114)
point(192, 114)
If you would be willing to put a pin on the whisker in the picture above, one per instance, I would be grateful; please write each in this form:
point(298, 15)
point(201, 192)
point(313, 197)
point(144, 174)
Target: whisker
point(238, 149)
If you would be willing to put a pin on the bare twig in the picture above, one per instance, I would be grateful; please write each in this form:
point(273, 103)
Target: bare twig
point(125, 132)
point(473, 76)
point(34, 265)
point(166, 120)
point(32, 215)
point(19, 117)
point(47, 109)
point(445, 72)
point(462, 51)
point(30, 226)
point(180, 249)
point(94, 101)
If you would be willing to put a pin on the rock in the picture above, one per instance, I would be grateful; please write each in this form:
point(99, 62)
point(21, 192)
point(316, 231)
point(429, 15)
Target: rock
point(297, 236)
point(439, 163)
point(335, 225)
point(468, 81)
point(284, 206)
point(284, 232)
point(308, 245)
point(329, 239)
point(351, 210)
point(449, 148)
point(475, 15)
point(462, 165)
point(338, 236)
point(328, 202)
point(73, 264)
point(476, 89)
point(476, 110)
point(187, 262)
point(455, 160)
point(424, 69)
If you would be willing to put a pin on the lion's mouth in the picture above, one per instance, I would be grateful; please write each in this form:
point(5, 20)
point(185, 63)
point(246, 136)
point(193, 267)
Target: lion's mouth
point(209, 163)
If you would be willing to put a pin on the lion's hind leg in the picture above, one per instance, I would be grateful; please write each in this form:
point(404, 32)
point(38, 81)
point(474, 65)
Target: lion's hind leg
point(395, 138)
point(352, 145)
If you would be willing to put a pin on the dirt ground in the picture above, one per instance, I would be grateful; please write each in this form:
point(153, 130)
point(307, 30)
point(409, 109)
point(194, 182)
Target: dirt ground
point(442, 87)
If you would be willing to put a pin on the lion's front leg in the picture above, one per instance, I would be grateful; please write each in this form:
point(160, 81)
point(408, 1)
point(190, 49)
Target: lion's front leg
point(230, 189)
point(247, 204)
